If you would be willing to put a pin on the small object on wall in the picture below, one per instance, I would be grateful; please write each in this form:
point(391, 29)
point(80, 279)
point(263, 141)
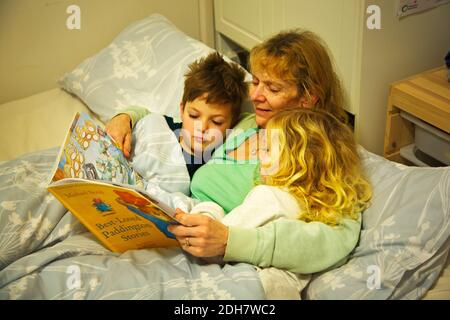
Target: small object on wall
point(447, 63)
point(408, 7)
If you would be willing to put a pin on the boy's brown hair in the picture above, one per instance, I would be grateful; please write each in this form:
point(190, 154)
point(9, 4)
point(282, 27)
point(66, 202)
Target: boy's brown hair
point(222, 82)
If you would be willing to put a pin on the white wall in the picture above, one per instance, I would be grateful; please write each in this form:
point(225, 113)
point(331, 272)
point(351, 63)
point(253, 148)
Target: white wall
point(400, 49)
point(36, 48)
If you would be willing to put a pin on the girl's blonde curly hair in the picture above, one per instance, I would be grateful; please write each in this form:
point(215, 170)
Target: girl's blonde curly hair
point(319, 165)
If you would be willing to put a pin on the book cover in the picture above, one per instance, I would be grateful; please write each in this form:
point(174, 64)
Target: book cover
point(93, 180)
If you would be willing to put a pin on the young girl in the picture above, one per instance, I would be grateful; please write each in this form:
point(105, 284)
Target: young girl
point(310, 171)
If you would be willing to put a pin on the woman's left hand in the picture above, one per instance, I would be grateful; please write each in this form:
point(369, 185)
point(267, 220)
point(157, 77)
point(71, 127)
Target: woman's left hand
point(200, 235)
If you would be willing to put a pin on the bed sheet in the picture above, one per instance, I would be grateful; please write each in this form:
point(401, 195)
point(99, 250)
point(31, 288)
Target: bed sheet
point(45, 253)
point(38, 227)
point(441, 289)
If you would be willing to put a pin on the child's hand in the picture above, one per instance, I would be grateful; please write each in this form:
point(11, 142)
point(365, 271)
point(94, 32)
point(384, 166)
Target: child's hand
point(119, 128)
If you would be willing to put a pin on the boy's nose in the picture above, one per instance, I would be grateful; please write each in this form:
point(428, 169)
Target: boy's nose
point(204, 125)
point(201, 126)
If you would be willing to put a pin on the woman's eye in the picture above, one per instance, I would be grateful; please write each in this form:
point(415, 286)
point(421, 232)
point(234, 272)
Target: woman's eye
point(274, 90)
point(193, 116)
point(217, 123)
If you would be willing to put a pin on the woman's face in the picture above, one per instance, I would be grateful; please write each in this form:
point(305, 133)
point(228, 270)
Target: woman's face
point(270, 95)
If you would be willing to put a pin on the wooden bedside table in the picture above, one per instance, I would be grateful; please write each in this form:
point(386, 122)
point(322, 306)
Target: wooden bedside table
point(426, 96)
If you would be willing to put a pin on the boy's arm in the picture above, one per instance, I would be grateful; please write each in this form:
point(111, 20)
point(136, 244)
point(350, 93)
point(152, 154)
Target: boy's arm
point(294, 245)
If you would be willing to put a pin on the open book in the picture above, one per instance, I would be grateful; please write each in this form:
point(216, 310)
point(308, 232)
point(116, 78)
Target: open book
point(93, 179)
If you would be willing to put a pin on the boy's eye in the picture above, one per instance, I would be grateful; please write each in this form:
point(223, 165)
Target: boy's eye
point(193, 116)
point(217, 123)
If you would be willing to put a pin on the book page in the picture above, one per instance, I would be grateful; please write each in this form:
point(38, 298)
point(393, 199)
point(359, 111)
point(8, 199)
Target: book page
point(90, 153)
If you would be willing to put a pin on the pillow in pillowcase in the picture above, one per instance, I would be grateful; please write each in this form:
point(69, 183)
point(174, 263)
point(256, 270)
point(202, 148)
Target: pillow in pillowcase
point(143, 66)
point(404, 238)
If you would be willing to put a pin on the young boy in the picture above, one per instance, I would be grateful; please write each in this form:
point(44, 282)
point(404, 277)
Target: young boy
point(166, 153)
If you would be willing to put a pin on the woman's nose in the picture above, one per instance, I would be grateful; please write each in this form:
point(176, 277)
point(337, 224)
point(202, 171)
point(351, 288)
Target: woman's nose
point(256, 93)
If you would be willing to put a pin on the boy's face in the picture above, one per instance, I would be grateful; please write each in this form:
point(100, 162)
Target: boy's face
point(204, 124)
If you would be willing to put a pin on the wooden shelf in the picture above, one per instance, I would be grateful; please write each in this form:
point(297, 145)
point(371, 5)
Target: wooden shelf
point(425, 96)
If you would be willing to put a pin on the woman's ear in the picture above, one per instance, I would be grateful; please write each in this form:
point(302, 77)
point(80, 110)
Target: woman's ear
point(308, 102)
point(313, 100)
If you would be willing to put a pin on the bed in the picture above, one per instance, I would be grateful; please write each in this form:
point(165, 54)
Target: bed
point(45, 253)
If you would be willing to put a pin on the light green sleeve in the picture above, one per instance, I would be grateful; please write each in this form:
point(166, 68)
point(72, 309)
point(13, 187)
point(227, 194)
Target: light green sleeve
point(247, 121)
point(136, 113)
point(294, 245)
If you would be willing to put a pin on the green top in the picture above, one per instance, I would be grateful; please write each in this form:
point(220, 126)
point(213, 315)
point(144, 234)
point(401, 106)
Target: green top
point(287, 244)
point(236, 177)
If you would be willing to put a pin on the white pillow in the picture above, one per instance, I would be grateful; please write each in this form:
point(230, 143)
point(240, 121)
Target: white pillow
point(144, 66)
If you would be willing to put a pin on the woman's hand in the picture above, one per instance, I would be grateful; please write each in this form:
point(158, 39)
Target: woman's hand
point(119, 128)
point(205, 236)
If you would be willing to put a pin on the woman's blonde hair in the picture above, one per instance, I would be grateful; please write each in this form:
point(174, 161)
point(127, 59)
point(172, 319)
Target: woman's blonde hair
point(319, 165)
point(302, 58)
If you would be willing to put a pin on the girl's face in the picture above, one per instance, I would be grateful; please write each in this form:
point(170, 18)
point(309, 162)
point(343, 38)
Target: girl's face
point(270, 95)
point(269, 152)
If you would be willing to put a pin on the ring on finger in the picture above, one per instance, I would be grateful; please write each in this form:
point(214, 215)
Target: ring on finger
point(187, 242)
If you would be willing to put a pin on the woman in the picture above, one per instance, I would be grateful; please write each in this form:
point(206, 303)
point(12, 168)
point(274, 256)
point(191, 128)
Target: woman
point(291, 69)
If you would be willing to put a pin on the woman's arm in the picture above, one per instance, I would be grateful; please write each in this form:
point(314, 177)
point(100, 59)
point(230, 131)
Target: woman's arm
point(288, 244)
point(119, 127)
point(135, 113)
point(294, 245)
